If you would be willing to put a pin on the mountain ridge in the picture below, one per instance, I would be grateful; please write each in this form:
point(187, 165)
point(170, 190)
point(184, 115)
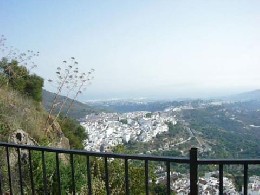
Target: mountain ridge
point(244, 96)
point(79, 110)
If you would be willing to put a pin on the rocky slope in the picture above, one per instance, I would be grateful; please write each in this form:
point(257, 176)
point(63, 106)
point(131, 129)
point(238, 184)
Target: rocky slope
point(23, 120)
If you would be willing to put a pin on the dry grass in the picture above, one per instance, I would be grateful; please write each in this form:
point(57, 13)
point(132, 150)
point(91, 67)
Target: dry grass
point(18, 111)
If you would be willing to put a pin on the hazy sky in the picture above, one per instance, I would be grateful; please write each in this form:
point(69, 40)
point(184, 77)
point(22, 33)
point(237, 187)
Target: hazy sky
point(143, 48)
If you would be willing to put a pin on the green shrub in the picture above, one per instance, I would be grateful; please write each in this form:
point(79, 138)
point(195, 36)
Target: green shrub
point(34, 86)
point(74, 132)
point(19, 78)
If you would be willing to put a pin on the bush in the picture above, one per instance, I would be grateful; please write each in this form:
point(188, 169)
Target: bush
point(33, 87)
point(20, 79)
point(74, 132)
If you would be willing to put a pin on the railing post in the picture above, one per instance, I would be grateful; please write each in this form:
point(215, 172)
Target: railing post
point(126, 177)
point(1, 191)
point(194, 171)
point(221, 179)
point(245, 178)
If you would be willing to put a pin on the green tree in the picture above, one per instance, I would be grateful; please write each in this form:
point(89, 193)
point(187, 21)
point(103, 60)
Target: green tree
point(15, 69)
point(74, 132)
point(124, 121)
point(34, 86)
point(148, 115)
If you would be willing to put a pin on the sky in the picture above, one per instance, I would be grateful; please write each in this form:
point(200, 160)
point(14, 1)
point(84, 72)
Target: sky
point(155, 49)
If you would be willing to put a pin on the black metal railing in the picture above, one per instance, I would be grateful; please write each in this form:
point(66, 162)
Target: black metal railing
point(20, 159)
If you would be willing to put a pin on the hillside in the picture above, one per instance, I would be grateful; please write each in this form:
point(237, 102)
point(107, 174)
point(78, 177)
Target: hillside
point(218, 129)
point(79, 110)
point(18, 111)
point(21, 109)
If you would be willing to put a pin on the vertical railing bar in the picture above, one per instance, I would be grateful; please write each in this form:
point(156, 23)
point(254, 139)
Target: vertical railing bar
point(126, 177)
point(9, 170)
point(58, 172)
point(44, 173)
point(146, 178)
point(245, 178)
point(31, 171)
point(72, 174)
point(20, 170)
point(193, 171)
point(89, 176)
point(168, 172)
point(106, 176)
point(1, 181)
point(221, 179)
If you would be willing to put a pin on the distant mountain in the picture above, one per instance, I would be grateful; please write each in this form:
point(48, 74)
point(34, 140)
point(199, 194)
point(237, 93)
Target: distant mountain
point(79, 110)
point(246, 96)
point(134, 105)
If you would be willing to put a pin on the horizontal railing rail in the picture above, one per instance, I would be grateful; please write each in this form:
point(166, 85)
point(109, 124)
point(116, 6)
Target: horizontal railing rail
point(228, 161)
point(7, 180)
point(97, 154)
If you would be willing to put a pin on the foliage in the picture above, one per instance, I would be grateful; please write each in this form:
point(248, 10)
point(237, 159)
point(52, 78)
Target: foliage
point(124, 121)
point(174, 129)
point(74, 132)
point(172, 153)
point(51, 173)
point(34, 86)
point(19, 78)
point(148, 115)
point(231, 138)
point(15, 69)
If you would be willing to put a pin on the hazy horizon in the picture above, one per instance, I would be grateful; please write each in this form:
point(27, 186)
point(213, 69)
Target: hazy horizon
point(152, 49)
point(166, 96)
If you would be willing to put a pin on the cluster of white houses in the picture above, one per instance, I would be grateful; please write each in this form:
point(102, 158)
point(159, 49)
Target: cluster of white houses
point(208, 185)
point(106, 130)
point(254, 185)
